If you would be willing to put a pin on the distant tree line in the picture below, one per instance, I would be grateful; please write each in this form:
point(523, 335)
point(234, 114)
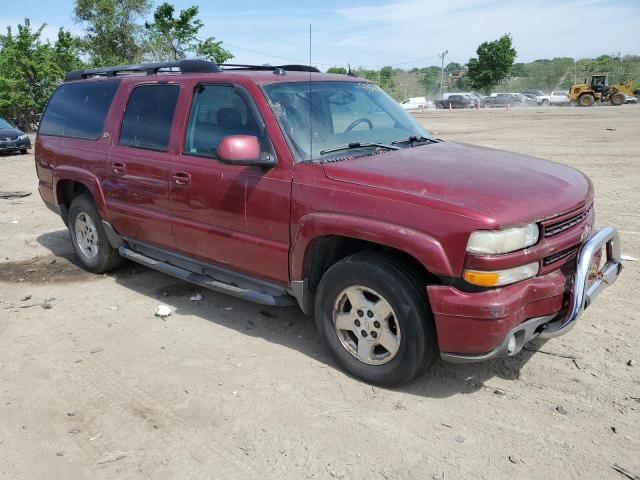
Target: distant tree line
point(114, 33)
point(495, 69)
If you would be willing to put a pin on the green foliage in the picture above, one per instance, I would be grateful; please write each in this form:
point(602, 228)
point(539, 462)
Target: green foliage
point(114, 35)
point(30, 69)
point(430, 80)
point(212, 50)
point(171, 37)
point(493, 64)
point(338, 70)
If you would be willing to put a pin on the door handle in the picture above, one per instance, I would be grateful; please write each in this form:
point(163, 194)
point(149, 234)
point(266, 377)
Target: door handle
point(181, 178)
point(118, 168)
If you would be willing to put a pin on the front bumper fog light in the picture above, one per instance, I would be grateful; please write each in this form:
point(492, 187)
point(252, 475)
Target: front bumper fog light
point(499, 278)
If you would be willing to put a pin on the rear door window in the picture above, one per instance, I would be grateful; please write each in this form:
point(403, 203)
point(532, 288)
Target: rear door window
point(148, 117)
point(78, 110)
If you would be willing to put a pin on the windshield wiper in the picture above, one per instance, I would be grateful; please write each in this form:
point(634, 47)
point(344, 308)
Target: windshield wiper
point(414, 139)
point(351, 145)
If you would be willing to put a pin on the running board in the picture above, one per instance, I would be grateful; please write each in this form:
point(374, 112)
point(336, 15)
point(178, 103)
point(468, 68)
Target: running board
point(207, 281)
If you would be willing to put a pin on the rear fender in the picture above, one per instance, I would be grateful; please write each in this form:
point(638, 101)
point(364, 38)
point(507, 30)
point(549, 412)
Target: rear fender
point(89, 180)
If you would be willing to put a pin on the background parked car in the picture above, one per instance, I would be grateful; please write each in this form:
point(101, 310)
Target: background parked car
point(535, 93)
point(416, 103)
point(558, 97)
point(500, 100)
point(456, 101)
point(13, 139)
point(630, 99)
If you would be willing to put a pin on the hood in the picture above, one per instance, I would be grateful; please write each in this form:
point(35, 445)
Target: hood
point(505, 188)
point(10, 132)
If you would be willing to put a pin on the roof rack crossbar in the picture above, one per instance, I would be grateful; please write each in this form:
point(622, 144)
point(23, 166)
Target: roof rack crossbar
point(184, 66)
point(268, 68)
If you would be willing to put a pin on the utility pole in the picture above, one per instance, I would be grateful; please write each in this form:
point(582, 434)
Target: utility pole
point(442, 55)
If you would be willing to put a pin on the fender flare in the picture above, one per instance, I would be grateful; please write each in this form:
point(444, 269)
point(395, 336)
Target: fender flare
point(423, 247)
point(86, 178)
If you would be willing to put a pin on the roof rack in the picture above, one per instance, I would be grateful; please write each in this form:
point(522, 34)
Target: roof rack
point(268, 68)
point(180, 66)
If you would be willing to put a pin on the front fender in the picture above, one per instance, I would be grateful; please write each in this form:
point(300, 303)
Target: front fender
point(86, 178)
point(426, 249)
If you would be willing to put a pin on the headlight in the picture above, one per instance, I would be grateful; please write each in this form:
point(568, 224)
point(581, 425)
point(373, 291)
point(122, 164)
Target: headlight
point(23, 137)
point(501, 277)
point(503, 241)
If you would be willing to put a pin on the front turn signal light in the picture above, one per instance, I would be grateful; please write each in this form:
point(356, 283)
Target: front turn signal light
point(499, 278)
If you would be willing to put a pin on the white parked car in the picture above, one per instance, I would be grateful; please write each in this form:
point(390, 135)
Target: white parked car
point(417, 103)
point(630, 99)
point(558, 97)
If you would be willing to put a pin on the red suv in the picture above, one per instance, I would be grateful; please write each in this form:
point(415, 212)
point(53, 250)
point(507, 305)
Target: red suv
point(285, 185)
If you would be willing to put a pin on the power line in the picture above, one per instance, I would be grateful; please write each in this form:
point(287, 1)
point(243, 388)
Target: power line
point(333, 64)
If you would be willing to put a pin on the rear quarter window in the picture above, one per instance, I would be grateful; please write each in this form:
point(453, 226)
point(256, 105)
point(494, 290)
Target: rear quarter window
point(78, 110)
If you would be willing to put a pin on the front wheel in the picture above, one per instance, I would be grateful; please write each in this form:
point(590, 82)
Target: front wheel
point(89, 239)
point(372, 312)
point(617, 99)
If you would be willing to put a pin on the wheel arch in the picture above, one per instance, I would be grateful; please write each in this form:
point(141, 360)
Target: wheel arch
point(325, 239)
point(69, 184)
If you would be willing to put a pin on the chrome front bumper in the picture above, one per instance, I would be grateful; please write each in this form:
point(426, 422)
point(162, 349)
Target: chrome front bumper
point(588, 282)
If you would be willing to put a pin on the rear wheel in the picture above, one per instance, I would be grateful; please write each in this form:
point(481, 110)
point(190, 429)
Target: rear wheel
point(617, 99)
point(487, 105)
point(439, 106)
point(23, 151)
point(372, 312)
point(586, 100)
point(545, 103)
point(89, 239)
point(421, 108)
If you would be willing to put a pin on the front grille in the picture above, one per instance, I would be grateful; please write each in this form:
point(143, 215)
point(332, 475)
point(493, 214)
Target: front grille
point(559, 256)
point(555, 228)
point(8, 139)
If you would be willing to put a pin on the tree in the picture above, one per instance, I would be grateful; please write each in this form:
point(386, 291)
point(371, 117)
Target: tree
point(339, 70)
point(113, 34)
point(430, 80)
point(493, 64)
point(173, 37)
point(30, 69)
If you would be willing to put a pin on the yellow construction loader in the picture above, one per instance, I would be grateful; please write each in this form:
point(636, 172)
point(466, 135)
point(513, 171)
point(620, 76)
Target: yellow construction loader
point(586, 94)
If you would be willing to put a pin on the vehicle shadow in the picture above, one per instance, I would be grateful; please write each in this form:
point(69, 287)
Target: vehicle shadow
point(286, 326)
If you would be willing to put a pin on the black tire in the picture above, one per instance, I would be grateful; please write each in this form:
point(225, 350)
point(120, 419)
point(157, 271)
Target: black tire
point(404, 290)
point(488, 105)
point(106, 257)
point(586, 100)
point(617, 99)
point(420, 108)
point(545, 103)
point(439, 106)
point(24, 151)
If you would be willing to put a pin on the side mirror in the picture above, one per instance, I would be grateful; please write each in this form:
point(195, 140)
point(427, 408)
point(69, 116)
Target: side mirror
point(243, 150)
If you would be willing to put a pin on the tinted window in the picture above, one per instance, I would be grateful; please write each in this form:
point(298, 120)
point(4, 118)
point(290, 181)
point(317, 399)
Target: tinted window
point(148, 116)
point(217, 111)
point(78, 109)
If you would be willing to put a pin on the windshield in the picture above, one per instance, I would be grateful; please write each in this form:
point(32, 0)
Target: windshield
point(4, 123)
point(321, 116)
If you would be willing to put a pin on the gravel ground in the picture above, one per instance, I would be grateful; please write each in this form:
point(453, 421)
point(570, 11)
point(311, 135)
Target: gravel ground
point(96, 387)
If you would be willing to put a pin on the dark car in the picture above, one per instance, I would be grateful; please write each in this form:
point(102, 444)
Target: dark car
point(12, 139)
point(456, 101)
point(284, 185)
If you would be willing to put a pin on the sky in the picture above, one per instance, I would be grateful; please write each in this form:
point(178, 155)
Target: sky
point(401, 33)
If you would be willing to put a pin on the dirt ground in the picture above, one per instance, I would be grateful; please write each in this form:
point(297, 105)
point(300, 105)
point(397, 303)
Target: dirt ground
point(96, 387)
